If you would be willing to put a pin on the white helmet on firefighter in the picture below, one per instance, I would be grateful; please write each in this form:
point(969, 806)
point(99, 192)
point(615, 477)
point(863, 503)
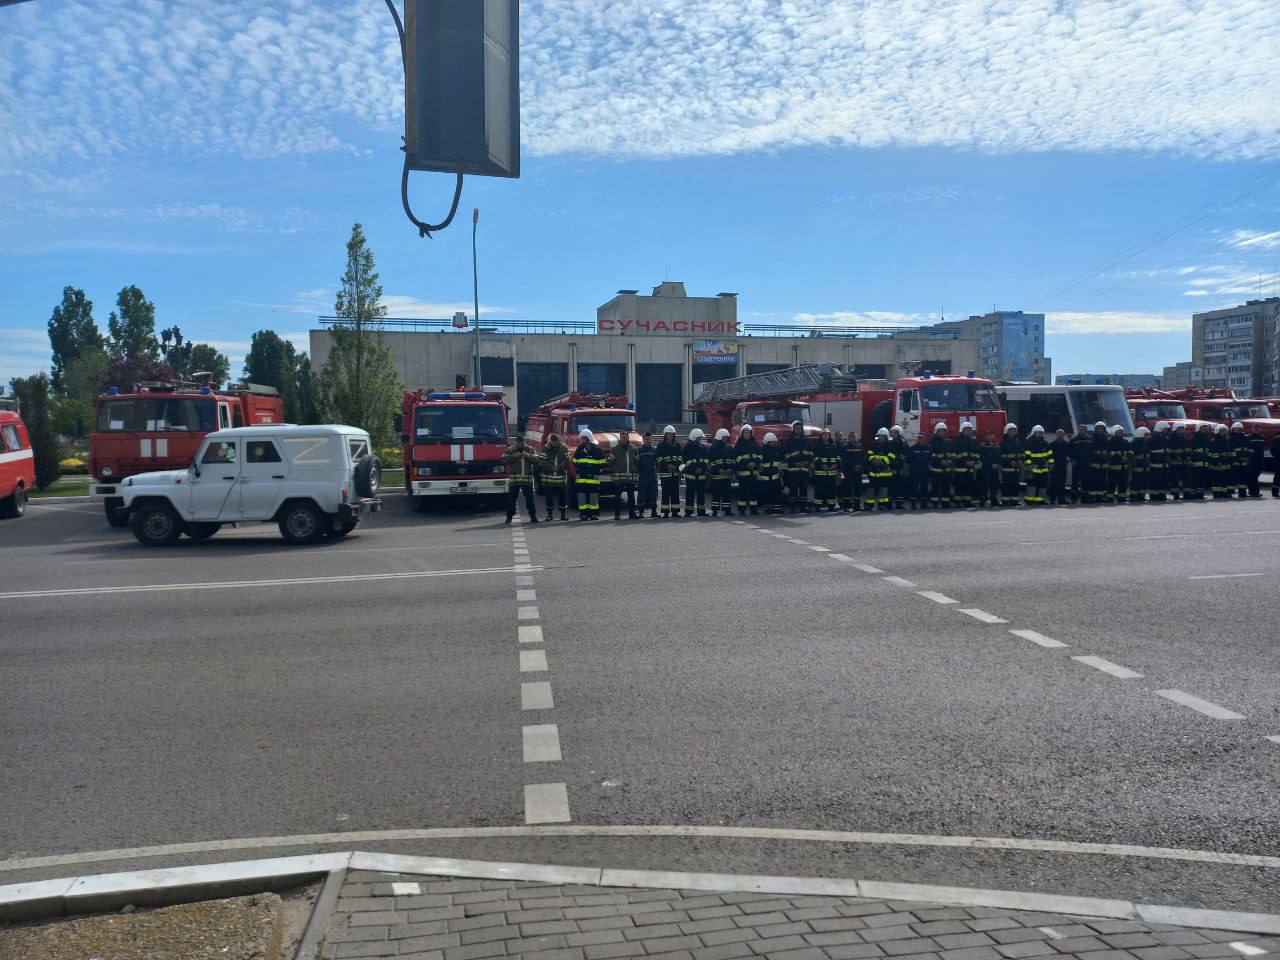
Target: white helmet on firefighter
point(1012, 428)
point(969, 425)
point(1117, 430)
point(882, 432)
point(894, 429)
point(1220, 428)
point(668, 429)
point(939, 428)
point(1099, 424)
point(696, 434)
point(586, 432)
point(770, 438)
point(1238, 426)
point(745, 431)
point(1162, 426)
point(1037, 429)
point(1142, 432)
point(722, 434)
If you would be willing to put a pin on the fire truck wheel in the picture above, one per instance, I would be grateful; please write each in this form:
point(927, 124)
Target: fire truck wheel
point(302, 523)
point(368, 475)
point(202, 531)
point(16, 505)
point(156, 525)
point(110, 505)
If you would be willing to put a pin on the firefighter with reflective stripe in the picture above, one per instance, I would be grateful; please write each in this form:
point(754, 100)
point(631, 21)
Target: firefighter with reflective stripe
point(852, 461)
point(919, 457)
point(519, 462)
point(1012, 460)
point(964, 466)
point(769, 484)
point(798, 456)
point(554, 474)
point(1039, 462)
point(1200, 471)
point(898, 485)
point(1099, 490)
point(1177, 453)
point(880, 470)
point(1120, 458)
point(720, 461)
point(826, 472)
point(1140, 460)
point(1239, 460)
point(1221, 461)
point(624, 464)
point(1081, 465)
point(695, 468)
point(648, 457)
point(668, 462)
point(940, 467)
point(1158, 448)
point(746, 464)
point(588, 461)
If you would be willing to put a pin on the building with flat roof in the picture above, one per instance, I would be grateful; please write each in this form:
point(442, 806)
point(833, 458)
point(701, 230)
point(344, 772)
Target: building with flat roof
point(654, 348)
point(1010, 345)
point(1180, 375)
point(1236, 347)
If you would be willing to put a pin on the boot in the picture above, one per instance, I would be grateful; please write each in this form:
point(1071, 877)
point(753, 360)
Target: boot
point(563, 514)
point(508, 520)
point(548, 516)
point(533, 518)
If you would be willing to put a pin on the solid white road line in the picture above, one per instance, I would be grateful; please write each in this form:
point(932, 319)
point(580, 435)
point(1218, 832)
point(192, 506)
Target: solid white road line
point(524, 596)
point(936, 597)
point(527, 613)
point(529, 634)
point(399, 889)
point(898, 581)
point(533, 661)
point(981, 615)
point(1224, 576)
point(242, 584)
point(226, 554)
point(541, 743)
point(546, 803)
point(1041, 543)
point(1200, 706)
point(1039, 638)
point(821, 549)
point(1106, 666)
point(867, 568)
point(536, 696)
point(840, 556)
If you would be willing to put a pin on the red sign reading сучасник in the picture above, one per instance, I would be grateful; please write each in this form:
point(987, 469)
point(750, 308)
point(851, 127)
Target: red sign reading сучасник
point(667, 328)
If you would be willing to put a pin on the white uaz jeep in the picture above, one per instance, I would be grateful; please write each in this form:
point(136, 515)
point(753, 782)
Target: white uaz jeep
point(313, 481)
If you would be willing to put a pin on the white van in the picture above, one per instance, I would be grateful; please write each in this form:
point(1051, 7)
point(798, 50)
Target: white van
point(1065, 406)
point(313, 481)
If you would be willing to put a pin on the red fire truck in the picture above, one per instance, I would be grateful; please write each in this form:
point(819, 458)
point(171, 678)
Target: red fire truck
point(159, 426)
point(822, 396)
point(17, 465)
point(1219, 405)
point(453, 442)
point(1148, 410)
point(609, 418)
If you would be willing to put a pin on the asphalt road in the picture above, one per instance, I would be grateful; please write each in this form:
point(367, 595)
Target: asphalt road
point(702, 672)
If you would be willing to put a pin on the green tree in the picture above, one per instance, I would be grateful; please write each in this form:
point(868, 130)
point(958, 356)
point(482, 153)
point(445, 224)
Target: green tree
point(359, 384)
point(33, 405)
point(206, 358)
point(72, 332)
point(133, 326)
point(271, 361)
point(305, 388)
point(83, 379)
point(187, 358)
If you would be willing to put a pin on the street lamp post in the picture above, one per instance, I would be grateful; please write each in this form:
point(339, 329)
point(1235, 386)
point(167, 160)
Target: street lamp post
point(475, 290)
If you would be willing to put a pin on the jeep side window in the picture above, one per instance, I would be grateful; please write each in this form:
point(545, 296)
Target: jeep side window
point(220, 452)
point(262, 451)
point(358, 449)
point(224, 419)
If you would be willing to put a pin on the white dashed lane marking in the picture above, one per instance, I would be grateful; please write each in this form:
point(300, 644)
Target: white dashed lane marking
point(406, 889)
point(936, 597)
point(1039, 638)
point(546, 803)
point(527, 613)
point(533, 661)
point(526, 596)
point(867, 568)
point(1200, 706)
point(536, 696)
point(1106, 666)
point(841, 557)
point(898, 581)
point(529, 633)
point(800, 543)
point(981, 615)
point(541, 743)
point(821, 549)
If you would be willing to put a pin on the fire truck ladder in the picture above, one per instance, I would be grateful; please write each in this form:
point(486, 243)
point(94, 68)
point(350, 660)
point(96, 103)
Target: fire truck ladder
point(788, 382)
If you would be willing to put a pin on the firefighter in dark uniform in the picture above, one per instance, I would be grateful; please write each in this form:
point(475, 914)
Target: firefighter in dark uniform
point(1038, 459)
point(1081, 465)
point(880, 471)
point(1012, 460)
point(919, 456)
point(1158, 452)
point(668, 463)
point(1118, 460)
point(988, 470)
point(1275, 466)
point(1061, 462)
point(769, 484)
point(852, 460)
point(1099, 491)
point(1239, 460)
point(720, 462)
point(647, 456)
point(1222, 461)
point(940, 467)
point(588, 461)
point(555, 474)
point(519, 462)
point(1200, 471)
point(624, 464)
point(1253, 470)
point(1140, 459)
point(1176, 454)
point(898, 487)
point(826, 473)
point(746, 464)
point(964, 466)
point(798, 455)
point(696, 469)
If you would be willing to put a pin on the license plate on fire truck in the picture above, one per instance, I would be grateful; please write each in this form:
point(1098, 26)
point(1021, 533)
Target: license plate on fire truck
point(463, 489)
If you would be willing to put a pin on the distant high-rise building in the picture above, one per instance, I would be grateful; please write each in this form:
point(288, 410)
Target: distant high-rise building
point(1235, 347)
point(1131, 381)
point(1180, 375)
point(1010, 344)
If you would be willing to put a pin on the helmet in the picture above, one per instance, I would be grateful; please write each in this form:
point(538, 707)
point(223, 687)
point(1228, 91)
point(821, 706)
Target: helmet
point(1238, 426)
point(968, 425)
point(696, 434)
point(1099, 424)
point(894, 429)
point(746, 430)
point(1012, 427)
point(883, 432)
point(1162, 425)
point(1117, 430)
point(668, 429)
point(585, 432)
point(1221, 428)
point(940, 428)
point(770, 438)
point(1142, 432)
point(722, 434)
point(1037, 429)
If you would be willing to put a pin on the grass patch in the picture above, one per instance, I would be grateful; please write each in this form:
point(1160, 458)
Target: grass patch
point(63, 487)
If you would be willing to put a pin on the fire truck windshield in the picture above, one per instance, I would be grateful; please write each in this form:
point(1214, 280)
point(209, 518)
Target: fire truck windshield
point(1159, 411)
point(1243, 411)
point(156, 413)
point(775, 415)
point(959, 396)
point(1090, 406)
point(605, 422)
point(449, 422)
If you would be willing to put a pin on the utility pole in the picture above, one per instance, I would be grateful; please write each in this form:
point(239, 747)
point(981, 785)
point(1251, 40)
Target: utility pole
point(475, 291)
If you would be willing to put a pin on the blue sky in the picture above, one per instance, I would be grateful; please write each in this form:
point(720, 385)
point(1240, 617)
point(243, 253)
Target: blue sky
point(832, 162)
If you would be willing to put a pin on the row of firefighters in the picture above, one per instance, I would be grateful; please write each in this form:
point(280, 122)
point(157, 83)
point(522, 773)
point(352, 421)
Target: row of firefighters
point(1097, 465)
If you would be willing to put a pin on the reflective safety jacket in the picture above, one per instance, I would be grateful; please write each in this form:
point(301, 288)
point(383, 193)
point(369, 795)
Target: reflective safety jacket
point(880, 461)
point(668, 458)
point(1176, 447)
point(1118, 453)
point(1199, 448)
point(1221, 456)
point(941, 461)
point(826, 461)
point(1038, 457)
point(991, 457)
point(519, 462)
point(964, 454)
point(771, 462)
point(555, 463)
point(624, 462)
point(1257, 451)
point(1012, 455)
point(720, 460)
point(1239, 449)
point(798, 454)
point(852, 458)
point(1158, 451)
point(1140, 453)
point(588, 461)
point(694, 457)
point(746, 456)
point(900, 448)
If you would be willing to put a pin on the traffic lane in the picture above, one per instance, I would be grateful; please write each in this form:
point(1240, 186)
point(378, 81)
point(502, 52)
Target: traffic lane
point(138, 721)
point(809, 694)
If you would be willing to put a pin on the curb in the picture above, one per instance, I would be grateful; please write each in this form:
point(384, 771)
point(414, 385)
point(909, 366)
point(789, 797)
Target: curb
point(51, 898)
point(78, 498)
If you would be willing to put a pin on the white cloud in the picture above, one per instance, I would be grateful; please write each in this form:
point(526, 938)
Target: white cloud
point(861, 318)
point(1254, 239)
point(1067, 323)
point(1228, 280)
point(23, 351)
point(653, 77)
point(923, 196)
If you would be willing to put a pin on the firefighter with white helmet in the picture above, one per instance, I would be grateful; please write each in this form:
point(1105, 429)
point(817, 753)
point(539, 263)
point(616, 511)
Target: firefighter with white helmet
point(826, 471)
point(588, 461)
point(1038, 459)
point(898, 485)
point(721, 463)
point(1118, 458)
point(668, 462)
point(1158, 453)
point(1140, 464)
point(1239, 460)
point(769, 483)
point(964, 466)
point(880, 471)
point(746, 464)
point(1221, 461)
point(797, 453)
point(940, 464)
point(695, 468)
point(624, 465)
point(1012, 462)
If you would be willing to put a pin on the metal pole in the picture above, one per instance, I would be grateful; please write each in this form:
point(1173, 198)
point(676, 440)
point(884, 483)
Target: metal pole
point(475, 291)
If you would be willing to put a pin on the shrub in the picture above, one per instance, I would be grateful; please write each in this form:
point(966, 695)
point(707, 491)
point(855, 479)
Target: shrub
point(73, 465)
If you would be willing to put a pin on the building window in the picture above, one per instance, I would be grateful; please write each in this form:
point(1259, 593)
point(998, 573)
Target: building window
point(497, 371)
point(607, 378)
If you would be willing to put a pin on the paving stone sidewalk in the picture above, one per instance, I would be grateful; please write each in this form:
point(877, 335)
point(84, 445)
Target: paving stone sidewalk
point(438, 918)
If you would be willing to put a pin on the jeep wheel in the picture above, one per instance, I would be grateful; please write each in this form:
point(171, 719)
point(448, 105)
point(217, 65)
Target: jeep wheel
point(302, 523)
point(156, 526)
point(368, 476)
point(110, 505)
point(202, 531)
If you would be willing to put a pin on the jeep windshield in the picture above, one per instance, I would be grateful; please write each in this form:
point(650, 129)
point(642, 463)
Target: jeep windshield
point(1159, 411)
point(959, 396)
point(154, 414)
point(450, 423)
point(605, 422)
